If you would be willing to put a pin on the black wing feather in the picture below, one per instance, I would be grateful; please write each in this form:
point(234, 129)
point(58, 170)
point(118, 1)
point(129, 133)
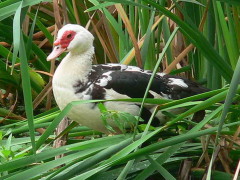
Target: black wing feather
point(133, 83)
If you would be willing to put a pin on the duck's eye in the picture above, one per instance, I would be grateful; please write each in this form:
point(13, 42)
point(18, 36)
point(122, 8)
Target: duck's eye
point(69, 36)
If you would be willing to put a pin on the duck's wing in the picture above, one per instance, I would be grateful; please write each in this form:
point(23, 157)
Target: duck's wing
point(132, 82)
point(182, 87)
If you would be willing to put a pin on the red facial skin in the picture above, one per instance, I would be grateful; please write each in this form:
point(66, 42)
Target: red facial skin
point(67, 37)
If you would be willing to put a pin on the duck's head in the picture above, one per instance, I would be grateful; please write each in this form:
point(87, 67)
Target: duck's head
point(71, 38)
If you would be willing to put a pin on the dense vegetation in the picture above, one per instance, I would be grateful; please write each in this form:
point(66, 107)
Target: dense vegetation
point(197, 39)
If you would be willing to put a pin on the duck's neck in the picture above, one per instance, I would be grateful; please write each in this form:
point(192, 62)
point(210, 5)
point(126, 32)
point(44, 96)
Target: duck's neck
point(76, 65)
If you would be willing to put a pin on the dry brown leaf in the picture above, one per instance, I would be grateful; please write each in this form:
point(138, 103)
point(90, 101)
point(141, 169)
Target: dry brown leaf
point(57, 14)
point(237, 171)
point(46, 90)
point(40, 34)
point(76, 12)
point(64, 12)
point(128, 26)
point(178, 59)
point(104, 40)
point(190, 47)
point(235, 137)
point(5, 44)
point(131, 54)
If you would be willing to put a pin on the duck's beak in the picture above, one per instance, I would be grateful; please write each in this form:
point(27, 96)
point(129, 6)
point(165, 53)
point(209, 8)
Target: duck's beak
point(57, 51)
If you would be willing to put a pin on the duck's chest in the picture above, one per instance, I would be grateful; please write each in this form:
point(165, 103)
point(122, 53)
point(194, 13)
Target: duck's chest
point(64, 84)
point(63, 92)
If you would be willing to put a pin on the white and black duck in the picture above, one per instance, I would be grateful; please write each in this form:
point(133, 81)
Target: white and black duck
point(77, 79)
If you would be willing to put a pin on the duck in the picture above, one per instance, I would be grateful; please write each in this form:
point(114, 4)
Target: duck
point(76, 78)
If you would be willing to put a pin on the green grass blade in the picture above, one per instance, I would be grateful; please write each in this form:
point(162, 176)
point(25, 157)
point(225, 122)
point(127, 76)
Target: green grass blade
point(50, 153)
point(146, 150)
point(166, 36)
point(99, 6)
point(29, 41)
point(199, 41)
point(145, 47)
point(171, 141)
point(9, 8)
point(43, 168)
point(161, 169)
point(42, 28)
point(16, 34)
point(129, 165)
point(27, 92)
point(229, 40)
point(117, 156)
point(171, 150)
point(95, 159)
point(231, 93)
point(233, 2)
point(192, 1)
point(112, 21)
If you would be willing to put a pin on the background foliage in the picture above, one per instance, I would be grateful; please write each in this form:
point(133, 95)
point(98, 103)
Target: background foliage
point(199, 40)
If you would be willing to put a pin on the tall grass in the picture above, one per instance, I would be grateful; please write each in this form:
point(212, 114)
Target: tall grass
point(205, 48)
